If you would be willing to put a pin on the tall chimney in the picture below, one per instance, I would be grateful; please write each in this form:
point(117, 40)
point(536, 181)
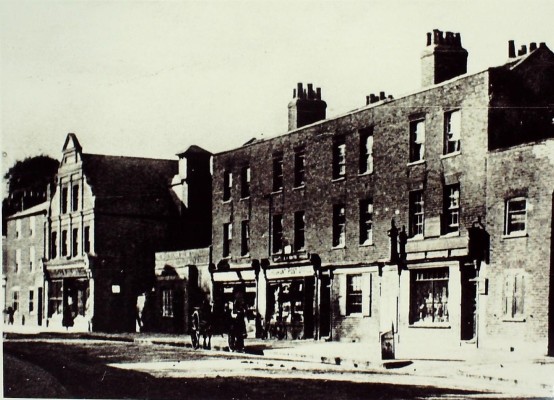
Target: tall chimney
point(444, 58)
point(306, 108)
point(511, 49)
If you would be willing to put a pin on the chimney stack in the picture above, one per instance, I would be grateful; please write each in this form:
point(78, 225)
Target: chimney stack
point(533, 46)
point(444, 57)
point(306, 107)
point(511, 49)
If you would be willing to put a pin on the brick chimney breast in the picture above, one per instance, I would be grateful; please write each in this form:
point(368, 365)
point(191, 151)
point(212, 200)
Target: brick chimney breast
point(306, 107)
point(443, 58)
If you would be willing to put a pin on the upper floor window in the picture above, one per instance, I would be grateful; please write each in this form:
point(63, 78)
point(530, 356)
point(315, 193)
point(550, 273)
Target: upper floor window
point(227, 239)
point(299, 228)
point(416, 210)
point(417, 140)
point(227, 185)
point(277, 173)
point(451, 208)
point(366, 151)
point(18, 228)
point(32, 258)
point(452, 132)
point(516, 216)
point(15, 300)
point(54, 245)
point(86, 239)
point(299, 168)
point(339, 226)
point(245, 182)
point(353, 294)
point(31, 301)
point(514, 294)
point(32, 223)
point(64, 243)
point(366, 221)
point(277, 233)
point(75, 242)
point(245, 238)
point(17, 260)
point(75, 198)
point(64, 200)
point(339, 157)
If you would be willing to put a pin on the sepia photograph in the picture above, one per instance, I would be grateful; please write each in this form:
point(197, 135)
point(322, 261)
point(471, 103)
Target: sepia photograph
point(277, 199)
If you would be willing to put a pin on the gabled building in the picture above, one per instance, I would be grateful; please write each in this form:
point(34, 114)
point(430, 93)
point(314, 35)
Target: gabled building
point(108, 216)
point(373, 225)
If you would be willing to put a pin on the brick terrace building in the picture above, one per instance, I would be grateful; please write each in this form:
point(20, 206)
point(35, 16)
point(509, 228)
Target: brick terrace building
point(23, 275)
point(357, 227)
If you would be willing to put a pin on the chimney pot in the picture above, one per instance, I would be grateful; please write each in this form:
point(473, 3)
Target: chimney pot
point(437, 36)
point(318, 93)
point(310, 91)
point(533, 46)
point(511, 49)
point(294, 93)
point(429, 38)
point(366, 100)
point(382, 96)
point(542, 44)
point(522, 51)
point(299, 90)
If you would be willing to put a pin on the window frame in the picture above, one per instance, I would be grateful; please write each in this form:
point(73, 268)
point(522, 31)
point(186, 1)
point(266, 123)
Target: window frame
point(339, 226)
point(508, 215)
point(227, 239)
point(451, 209)
point(64, 249)
point(513, 296)
point(366, 151)
point(299, 230)
point(354, 294)
point(277, 165)
point(245, 238)
point(417, 142)
point(86, 240)
point(227, 185)
point(167, 303)
point(456, 147)
point(31, 305)
point(245, 182)
point(277, 242)
point(75, 197)
point(339, 157)
point(299, 167)
point(75, 242)
point(64, 200)
point(415, 216)
point(439, 280)
point(366, 222)
point(54, 245)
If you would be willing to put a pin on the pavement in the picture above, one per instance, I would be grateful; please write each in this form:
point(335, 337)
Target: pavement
point(532, 376)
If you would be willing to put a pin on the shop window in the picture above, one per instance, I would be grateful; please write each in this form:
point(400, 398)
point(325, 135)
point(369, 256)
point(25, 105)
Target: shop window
point(15, 300)
point(245, 238)
point(17, 228)
point(277, 173)
point(366, 222)
point(227, 239)
point(353, 294)
point(514, 295)
point(417, 216)
point(452, 132)
point(451, 212)
point(366, 151)
point(32, 258)
point(75, 242)
point(64, 200)
point(54, 245)
point(429, 296)
point(339, 158)
point(75, 198)
point(299, 228)
point(17, 260)
point(167, 303)
point(245, 182)
point(31, 301)
point(64, 243)
point(417, 140)
point(227, 185)
point(86, 240)
point(277, 234)
point(299, 168)
point(55, 297)
point(516, 216)
point(339, 226)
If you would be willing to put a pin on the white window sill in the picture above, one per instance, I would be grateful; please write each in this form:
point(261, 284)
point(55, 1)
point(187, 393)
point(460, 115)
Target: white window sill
point(451, 234)
point(416, 238)
point(226, 201)
point(245, 198)
point(412, 163)
point(514, 319)
point(277, 191)
point(515, 235)
point(354, 315)
point(366, 244)
point(431, 325)
point(339, 179)
point(300, 187)
point(453, 154)
point(339, 247)
point(365, 173)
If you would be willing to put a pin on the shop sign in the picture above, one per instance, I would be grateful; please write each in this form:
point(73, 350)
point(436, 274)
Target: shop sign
point(287, 272)
point(291, 257)
point(67, 273)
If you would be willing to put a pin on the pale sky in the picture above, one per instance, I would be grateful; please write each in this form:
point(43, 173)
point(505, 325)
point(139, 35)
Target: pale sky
point(152, 78)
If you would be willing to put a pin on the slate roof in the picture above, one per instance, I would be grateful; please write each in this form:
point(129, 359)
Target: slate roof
point(131, 185)
point(38, 209)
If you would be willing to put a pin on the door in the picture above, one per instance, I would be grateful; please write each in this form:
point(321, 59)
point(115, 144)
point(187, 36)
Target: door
point(469, 304)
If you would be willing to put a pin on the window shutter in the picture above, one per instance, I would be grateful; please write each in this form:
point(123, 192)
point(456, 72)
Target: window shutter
point(342, 294)
point(366, 295)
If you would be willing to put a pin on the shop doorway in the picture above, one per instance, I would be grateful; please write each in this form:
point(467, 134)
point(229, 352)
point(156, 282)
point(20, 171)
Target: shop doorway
point(469, 304)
